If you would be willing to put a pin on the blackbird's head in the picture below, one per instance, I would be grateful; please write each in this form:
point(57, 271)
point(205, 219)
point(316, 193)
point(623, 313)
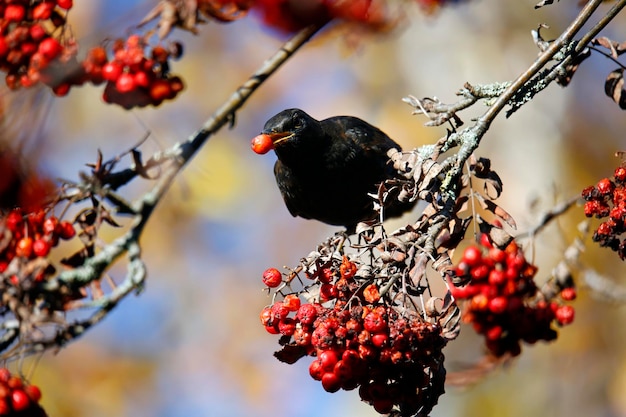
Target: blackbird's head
point(294, 131)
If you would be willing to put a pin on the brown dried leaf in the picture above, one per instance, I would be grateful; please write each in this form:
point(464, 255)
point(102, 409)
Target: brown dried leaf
point(614, 88)
point(290, 353)
point(450, 318)
point(498, 236)
point(430, 308)
point(498, 211)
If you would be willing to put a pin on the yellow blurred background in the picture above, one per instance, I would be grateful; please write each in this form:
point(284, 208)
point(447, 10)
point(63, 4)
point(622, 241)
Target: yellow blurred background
point(191, 344)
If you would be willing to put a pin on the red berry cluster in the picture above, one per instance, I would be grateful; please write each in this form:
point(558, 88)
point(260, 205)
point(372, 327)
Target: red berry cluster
point(18, 399)
point(30, 54)
point(28, 237)
point(28, 51)
point(608, 199)
point(394, 358)
point(289, 15)
point(503, 302)
point(136, 76)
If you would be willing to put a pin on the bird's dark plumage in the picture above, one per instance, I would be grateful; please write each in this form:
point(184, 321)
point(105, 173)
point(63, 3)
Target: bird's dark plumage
point(326, 168)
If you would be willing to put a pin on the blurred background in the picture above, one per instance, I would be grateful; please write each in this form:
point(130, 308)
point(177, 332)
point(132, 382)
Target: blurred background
point(191, 343)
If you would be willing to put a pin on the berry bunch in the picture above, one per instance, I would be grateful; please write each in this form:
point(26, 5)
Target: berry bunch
point(359, 340)
point(18, 398)
point(29, 53)
point(136, 76)
point(26, 238)
point(608, 199)
point(503, 302)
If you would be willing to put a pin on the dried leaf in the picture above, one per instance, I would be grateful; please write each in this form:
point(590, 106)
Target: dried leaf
point(481, 168)
point(430, 308)
point(290, 354)
point(498, 211)
point(614, 88)
point(498, 236)
point(450, 318)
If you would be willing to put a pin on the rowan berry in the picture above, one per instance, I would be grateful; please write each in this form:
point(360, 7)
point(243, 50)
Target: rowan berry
point(20, 401)
point(565, 315)
point(262, 144)
point(272, 277)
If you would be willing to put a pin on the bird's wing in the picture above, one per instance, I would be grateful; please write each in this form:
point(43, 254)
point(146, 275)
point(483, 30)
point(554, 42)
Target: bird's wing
point(366, 137)
point(288, 189)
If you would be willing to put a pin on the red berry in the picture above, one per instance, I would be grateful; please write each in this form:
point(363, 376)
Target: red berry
point(24, 247)
point(14, 12)
point(497, 277)
point(383, 405)
point(331, 382)
point(262, 144)
point(279, 311)
point(50, 225)
point(315, 370)
point(568, 294)
point(41, 247)
point(565, 315)
point(620, 174)
point(4, 375)
point(111, 71)
point(307, 313)
point(50, 48)
point(328, 359)
point(493, 333)
point(37, 32)
point(14, 221)
point(4, 407)
point(266, 316)
point(65, 4)
point(33, 392)
point(328, 292)
point(66, 230)
point(272, 277)
point(479, 302)
point(498, 305)
point(43, 11)
point(142, 79)
point(20, 400)
point(326, 275)
point(479, 272)
point(61, 90)
point(374, 323)
point(472, 256)
point(292, 302)
point(272, 329)
point(125, 83)
point(160, 90)
point(287, 326)
point(605, 186)
point(379, 339)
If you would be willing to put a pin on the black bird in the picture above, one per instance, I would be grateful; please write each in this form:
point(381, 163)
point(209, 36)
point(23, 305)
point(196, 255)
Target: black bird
point(325, 169)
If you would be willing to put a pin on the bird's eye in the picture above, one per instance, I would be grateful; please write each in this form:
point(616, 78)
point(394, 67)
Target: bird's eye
point(298, 126)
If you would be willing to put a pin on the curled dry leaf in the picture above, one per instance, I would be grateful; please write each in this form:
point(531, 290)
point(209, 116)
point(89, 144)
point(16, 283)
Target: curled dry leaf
point(450, 318)
point(614, 87)
point(497, 236)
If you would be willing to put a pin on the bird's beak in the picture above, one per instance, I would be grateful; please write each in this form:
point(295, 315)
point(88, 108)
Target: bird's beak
point(279, 137)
